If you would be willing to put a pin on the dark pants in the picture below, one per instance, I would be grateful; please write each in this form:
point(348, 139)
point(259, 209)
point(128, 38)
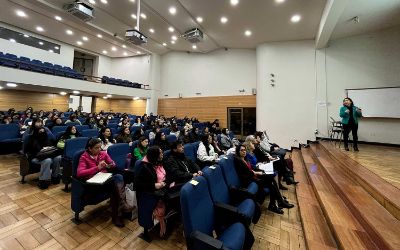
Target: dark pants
point(346, 131)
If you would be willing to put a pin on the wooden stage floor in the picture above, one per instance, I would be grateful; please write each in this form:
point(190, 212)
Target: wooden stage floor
point(34, 219)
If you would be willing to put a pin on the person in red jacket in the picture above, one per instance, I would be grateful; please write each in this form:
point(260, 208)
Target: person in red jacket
point(94, 160)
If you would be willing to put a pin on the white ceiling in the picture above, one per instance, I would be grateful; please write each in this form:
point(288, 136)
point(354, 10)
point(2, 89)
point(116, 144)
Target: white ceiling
point(267, 19)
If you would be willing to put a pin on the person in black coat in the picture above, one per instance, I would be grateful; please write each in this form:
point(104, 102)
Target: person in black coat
point(180, 168)
point(161, 141)
point(247, 175)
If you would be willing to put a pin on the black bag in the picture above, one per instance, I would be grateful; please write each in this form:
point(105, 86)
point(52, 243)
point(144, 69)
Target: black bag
point(48, 152)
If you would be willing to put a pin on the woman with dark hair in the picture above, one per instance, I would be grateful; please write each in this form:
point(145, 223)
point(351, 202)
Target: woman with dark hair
point(106, 138)
point(247, 175)
point(152, 178)
point(101, 123)
point(161, 141)
point(91, 122)
point(69, 133)
point(194, 135)
point(73, 119)
point(124, 136)
point(214, 143)
point(137, 134)
point(141, 149)
point(38, 143)
point(205, 153)
point(94, 160)
point(350, 115)
point(226, 142)
point(153, 133)
point(184, 136)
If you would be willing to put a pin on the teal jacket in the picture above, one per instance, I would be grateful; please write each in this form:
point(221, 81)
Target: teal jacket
point(345, 116)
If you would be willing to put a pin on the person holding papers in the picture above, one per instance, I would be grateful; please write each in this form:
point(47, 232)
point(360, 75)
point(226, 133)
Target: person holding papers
point(248, 173)
point(93, 161)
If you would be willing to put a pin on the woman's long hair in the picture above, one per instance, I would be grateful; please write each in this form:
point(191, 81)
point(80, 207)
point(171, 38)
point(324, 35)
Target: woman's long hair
point(348, 98)
point(140, 146)
point(67, 134)
point(153, 153)
point(101, 134)
point(204, 140)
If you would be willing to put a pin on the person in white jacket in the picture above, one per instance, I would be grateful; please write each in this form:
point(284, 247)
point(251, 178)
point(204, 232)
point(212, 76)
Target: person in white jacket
point(206, 155)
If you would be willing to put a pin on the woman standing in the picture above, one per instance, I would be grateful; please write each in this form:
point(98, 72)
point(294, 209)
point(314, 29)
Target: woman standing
point(350, 115)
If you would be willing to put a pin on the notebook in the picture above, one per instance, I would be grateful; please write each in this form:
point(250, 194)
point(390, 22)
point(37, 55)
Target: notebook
point(99, 178)
point(268, 168)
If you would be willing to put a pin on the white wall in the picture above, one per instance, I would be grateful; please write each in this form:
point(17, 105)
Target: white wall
point(134, 69)
point(65, 58)
point(219, 73)
point(370, 60)
point(287, 110)
point(155, 84)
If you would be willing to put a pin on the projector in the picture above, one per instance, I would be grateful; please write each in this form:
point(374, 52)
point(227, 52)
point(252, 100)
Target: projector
point(135, 37)
point(194, 35)
point(80, 10)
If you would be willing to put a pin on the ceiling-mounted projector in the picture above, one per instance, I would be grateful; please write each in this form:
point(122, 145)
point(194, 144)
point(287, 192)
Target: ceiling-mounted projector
point(135, 37)
point(80, 10)
point(194, 35)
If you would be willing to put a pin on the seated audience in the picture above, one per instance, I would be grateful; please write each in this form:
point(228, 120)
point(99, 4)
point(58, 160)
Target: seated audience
point(141, 149)
point(226, 142)
point(194, 135)
point(174, 130)
point(180, 168)
point(70, 133)
point(184, 136)
point(106, 138)
point(91, 122)
point(94, 160)
point(206, 155)
point(138, 122)
point(214, 143)
point(137, 134)
point(124, 136)
point(161, 141)
point(152, 134)
point(73, 119)
point(101, 123)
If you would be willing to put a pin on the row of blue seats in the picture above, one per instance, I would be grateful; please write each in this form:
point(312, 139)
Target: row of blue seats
point(25, 63)
point(120, 82)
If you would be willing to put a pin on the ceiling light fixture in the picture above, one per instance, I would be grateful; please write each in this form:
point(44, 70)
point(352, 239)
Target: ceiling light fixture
point(138, 52)
point(194, 46)
point(173, 42)
point(1, 87)
point(79, 43)
point(172, 10)
point(12, 40)
point(234, 2)
point(279, 1)
point(224, 19)
point(105, 97)
point(20, 13)
point(58, 18)
point(92, 1)
point(113, 49)
point(199, 19)
point(84, 38)
point(63, 93)
point(133, 16)
point(295, 18)
point(132, 1)
point(51, 51)
point(142, 15)
point(125, 53)
point(164, 44)
point(12, 85)
point(41, 43)
point(151, 30)
point(123, 46)
point(69, 32)
point(136, 98)
point(26, 36)
point(99, 36)
point(174, 38)
point(171, 29)
point(104, 1)
point(105, 52)
point(109, 95)
point(40, 29)
point(76, 92)
point(247, 33)
point(56, 47)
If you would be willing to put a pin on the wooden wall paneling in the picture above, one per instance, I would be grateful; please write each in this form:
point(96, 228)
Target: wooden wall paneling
point(102, 104)
point(137, 107)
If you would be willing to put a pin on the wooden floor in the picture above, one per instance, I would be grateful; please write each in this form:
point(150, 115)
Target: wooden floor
point(34, 219)
point(383, 161)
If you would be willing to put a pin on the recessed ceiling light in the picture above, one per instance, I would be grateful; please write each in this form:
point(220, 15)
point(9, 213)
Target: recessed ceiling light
point(105, 52)
point(138, 52)
point(151, 30)
point(173, 42)
point(92, 1)
point(69, 32)
point(142, 15)
point(109, 95)
point(1, 87)
point(104, 1)
point(105, 97)
point(20, 13)
point(79, 43)
point(171, 29)
point(63, 93)
point(247, 33)
point(12, 40)
point(76, 92)
point(113, 49)
point(199, 19)
point(136, 98)
point(58, 18)
point(279, 1)
point(125, 54)
point(164, 44)
point(51, 51)
point(26, 36)
point(41, 43)
point(12, 85)
point(234, 2)
point(174, 38)
point(40, 29)
point(123, 46)
point(194, 46)
point(56, 47)
point(224, 19)
point(84, 38)
point(99, 36)
point(132, 1)
point(133, 16)
point(136, 27)
point(172, 10)
point(295, 18)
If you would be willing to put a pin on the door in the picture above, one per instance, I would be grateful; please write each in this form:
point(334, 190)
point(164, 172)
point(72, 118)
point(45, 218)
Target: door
point(242, 121)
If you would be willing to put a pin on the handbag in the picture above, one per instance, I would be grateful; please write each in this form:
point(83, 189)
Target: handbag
point(48, 152)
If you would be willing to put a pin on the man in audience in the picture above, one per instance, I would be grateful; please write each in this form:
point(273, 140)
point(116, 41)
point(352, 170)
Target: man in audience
point(180, 168)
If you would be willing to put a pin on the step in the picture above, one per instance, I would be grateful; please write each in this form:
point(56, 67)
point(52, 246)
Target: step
point(382, 227)
point(384, 192)
point(316, 230)
point(347, 231)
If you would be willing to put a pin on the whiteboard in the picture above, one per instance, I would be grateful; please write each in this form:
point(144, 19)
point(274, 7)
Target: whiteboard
point(379, 102)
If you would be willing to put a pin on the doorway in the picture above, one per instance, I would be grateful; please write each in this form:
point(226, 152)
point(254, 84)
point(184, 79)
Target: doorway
point(242, 121)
